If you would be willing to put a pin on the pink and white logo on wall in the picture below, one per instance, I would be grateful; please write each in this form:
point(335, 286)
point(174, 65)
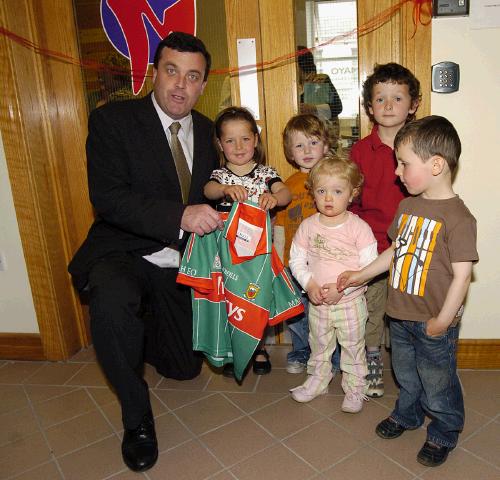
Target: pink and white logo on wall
point(135, 27)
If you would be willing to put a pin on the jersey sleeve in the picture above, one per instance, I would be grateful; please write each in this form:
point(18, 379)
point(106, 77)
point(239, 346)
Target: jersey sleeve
point(198, 261)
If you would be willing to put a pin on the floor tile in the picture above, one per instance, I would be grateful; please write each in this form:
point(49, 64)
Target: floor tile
point(64, 407)
point(279, 382)
point(327, 404)
point(208, 413)
point(188, 462)
point(322, 444)
point(77, 432)
point(483, 403)
point(286, 417)
point(229, 445)
point(86, 355)
point(53, 374)
point(127, 475)
point(198, 383)
point(17, 424)
point(362, 425)
point(485, 443)
point(174, 399)
point(12, 397)
point(26, 453)
point(40, 393)
point(473, 382)
point(17, 372)
point(219, 382)
point(250, 402)
point(47, 471)
point(259, 466)
point(403, 450)
point(90, 375)
point(170, 432)
point(93, 462)
point(102, 395)
point(473, 422)
point(367, 463)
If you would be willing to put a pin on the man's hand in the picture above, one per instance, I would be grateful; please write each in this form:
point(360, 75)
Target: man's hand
point(330, 294)
point(237, 193)
point(314, 292)
point(200, 219)
point(267, 201)
point(349, 278)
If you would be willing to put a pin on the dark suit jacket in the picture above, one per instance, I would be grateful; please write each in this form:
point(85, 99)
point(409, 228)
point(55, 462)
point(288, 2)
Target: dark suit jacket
point(133, 183)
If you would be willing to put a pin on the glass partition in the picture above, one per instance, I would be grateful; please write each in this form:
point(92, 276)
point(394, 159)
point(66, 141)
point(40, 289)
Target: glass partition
point(325, 31)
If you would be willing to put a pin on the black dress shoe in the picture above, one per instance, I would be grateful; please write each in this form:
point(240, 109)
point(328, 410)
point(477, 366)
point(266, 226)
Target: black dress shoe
point(228, 370)
point(389, 429)
point(139, 445)
point(261, 367)
point(432, 455)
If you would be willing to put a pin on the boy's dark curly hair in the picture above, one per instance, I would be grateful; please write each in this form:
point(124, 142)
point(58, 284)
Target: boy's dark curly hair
point(395, 73)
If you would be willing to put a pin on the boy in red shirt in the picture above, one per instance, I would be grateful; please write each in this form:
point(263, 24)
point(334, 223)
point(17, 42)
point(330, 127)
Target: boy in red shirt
point(391, 95)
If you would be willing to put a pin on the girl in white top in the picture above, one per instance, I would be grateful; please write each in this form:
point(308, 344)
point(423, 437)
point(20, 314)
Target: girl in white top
point(244, 176)
point(325, 245)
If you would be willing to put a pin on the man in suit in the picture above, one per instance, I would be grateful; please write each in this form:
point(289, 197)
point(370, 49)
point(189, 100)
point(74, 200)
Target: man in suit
point(129, 261)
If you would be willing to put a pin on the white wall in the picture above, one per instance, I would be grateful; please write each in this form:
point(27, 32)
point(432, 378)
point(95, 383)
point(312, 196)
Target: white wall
point(475, 112)
point(17, 312)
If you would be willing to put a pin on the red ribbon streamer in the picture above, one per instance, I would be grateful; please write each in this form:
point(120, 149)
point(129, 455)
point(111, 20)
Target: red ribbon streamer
point(420, 7)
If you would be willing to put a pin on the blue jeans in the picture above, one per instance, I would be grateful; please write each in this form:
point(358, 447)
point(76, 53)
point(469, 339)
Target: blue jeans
point(426, 370)
point(299, 331)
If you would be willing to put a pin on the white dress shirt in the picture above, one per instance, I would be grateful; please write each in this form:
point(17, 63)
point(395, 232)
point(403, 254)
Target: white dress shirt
point(170, 257)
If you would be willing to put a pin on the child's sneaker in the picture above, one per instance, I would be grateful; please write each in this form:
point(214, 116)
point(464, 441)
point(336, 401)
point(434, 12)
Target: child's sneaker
point(353, 402)
point(375, 376)
point(302, 395)
point(295, 367)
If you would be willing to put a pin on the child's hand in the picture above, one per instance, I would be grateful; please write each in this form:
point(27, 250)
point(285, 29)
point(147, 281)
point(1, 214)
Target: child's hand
point(237, 193)
point(330, 294)
point(314, 292)
point(267, 201)
point(434, 328)
point(348, 279)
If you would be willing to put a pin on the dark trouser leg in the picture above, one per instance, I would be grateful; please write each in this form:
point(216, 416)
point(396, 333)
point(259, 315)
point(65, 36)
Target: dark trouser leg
point(117, 289)
point(169, 333)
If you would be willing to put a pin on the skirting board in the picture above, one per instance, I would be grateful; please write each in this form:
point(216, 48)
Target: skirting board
point(21, 346)
point(479, 354)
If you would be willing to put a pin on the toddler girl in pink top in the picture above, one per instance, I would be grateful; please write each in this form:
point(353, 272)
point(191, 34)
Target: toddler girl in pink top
point(325, 245)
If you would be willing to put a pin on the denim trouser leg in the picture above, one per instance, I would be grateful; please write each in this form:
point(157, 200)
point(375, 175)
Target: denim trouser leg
point(426, 369)
point(299, 331)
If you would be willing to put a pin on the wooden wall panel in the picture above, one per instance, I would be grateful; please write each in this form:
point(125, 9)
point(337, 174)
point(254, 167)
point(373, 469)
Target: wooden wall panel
point(42, 118)
point(394, 42)
point(280, 82)
point(243, 21)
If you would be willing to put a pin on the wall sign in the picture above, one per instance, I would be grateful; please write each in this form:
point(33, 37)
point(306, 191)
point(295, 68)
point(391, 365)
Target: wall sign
point(135, 27)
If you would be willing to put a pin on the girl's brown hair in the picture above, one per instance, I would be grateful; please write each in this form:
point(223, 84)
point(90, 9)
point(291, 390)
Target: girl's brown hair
point(241, 114)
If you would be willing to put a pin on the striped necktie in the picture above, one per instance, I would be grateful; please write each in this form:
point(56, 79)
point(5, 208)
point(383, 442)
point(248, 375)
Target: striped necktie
point(181, 165)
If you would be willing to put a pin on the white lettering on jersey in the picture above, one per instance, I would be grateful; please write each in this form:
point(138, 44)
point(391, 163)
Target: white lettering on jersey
point(235, 312)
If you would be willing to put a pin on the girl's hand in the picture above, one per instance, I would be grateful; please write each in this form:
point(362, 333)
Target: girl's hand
point(237, 193)
point(314, 292)
point(330, 294)
point(267, 201)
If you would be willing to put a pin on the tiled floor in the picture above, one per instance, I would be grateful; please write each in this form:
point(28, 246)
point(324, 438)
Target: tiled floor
point(60, 421)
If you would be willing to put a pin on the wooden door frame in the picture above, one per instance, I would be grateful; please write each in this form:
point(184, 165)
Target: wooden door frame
point(43, 118)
